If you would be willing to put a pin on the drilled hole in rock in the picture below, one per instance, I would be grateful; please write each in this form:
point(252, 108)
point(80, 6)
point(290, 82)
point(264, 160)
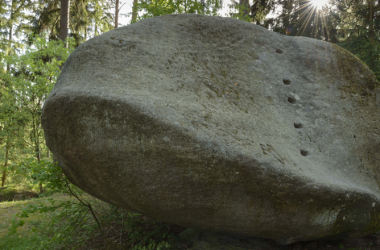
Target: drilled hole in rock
point(304, 152)
point(297, 125)
point(291, 100)
point(279, 51)
point(354, 136)
point(286, 82)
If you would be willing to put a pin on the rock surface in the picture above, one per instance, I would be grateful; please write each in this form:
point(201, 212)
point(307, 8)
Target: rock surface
point(220, 124)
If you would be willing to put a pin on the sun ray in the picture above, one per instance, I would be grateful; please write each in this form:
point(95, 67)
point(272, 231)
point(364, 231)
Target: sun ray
point(305, 17)
point(307, 21)
point(309, 11)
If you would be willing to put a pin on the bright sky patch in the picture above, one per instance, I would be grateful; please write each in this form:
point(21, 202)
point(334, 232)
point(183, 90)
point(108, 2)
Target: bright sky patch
point(319, 3)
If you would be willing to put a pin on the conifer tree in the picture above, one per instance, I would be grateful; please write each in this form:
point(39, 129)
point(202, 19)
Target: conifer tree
point(359, 25)
point(10, 25)
point(154, 8)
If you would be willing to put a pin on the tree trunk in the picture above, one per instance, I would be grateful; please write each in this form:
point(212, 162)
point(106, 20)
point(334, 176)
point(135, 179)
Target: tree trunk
point(371, 26)
point(5, 165)
point(41, 188)
point(36, 142)
point(4, 177)
point(64, 22)
point(243, 9)
point(10, 33)
point(287, 11)
point(134, 11)
point(117, 14)
point(10, 45)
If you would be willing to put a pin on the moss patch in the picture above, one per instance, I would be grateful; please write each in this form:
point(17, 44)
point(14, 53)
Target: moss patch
point(360, 79)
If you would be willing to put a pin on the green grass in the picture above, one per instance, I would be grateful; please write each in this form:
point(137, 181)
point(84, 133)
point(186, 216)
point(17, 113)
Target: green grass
point(72, 228)
point(22, 242)
point(32, 234)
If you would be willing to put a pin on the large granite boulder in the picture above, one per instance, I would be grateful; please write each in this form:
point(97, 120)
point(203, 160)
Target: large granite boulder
point(222, 125)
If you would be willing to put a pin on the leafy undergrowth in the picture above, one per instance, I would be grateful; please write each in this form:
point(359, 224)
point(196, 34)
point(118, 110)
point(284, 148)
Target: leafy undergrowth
point(121, 229)
point(27, 235)
point(72, 225)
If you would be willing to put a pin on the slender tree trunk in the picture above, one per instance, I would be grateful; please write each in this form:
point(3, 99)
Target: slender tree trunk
point(64, 24)
point(134, 11)
point(286, 16)
point(38, 154)
point(65, 18)
point(371, 31)
point(371, 26)
point(10, 45)
point(5, 165)
point(243, 8)
point(3, 178)
point(10, 33)
point(117, 14)
point(37, 144)
point(41, 188)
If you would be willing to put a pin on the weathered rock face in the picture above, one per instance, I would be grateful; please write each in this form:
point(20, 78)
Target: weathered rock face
point(220, 124)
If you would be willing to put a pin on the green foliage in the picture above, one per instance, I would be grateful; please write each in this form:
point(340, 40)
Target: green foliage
point(357, 25)
point(152, 8)
point(12, 22)
point(86, 219)
point(240, 11)
point(25, 87)
point(83, 221)
point(43, 171)
point(86, 16)
point(366, 51)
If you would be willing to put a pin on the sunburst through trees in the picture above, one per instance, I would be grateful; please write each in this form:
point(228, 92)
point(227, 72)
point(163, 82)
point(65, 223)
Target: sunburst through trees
point(306, 18)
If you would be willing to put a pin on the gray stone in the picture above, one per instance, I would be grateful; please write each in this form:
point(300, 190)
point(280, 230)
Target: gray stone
point(219, 124)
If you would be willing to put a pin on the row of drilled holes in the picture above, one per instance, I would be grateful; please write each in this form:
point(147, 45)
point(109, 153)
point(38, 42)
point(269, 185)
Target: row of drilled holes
point(292, 100)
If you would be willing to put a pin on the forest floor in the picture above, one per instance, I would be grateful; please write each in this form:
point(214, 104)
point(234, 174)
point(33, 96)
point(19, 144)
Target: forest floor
point(31, 234)
point(9, 209)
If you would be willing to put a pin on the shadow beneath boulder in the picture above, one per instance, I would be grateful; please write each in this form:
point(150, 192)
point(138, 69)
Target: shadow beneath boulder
point(193, 239)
